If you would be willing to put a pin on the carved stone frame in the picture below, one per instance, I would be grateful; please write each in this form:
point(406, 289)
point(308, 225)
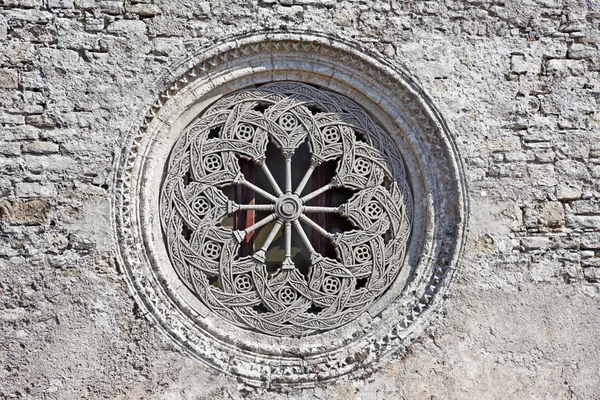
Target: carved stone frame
point(435, 176)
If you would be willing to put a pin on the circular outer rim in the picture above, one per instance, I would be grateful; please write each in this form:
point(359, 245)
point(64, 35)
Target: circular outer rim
point(386, 331)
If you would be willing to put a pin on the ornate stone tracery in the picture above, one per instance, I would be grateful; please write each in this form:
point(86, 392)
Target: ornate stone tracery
point(155, 269)
point(205, 159)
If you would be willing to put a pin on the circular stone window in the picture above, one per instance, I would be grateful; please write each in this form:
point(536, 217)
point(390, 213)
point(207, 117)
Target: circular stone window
point(319, 233)
point(290, 209)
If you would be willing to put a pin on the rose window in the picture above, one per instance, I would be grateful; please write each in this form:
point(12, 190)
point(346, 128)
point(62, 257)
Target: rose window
point(285, 209)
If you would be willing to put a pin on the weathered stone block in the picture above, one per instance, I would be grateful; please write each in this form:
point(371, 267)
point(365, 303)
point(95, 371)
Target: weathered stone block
point(566, 191)
point(12, 119)
point(111, 7)
point(553, 214)
point(127, 28)
point(55, 164)
point(321, 3)
point(591, 206)
point(572, 170)
point(10, 149)
point(539, 134)
point(550, 214)
point(22, 132)
point(542, 174)
point(507, 170)
point(41, 121)
point(94, 24)
point(587, 254)
point(592, 274)
point(3, 28)
point(144, 10)
point(563, 68)
point(573, 27)
point(579, 51)
point(164, 46)
point(34, 16)
point(32, 80)
point(13, 314)
point(203, 8)
point(39, 147)
point(518, 156)
point(584, 222)
point(22, 3)
point(591, 262)
point(506, 143)
point(535, 242)
point(590, 240)
point(34, 189)
point(545, 156)
point(16, 53)
point(9, 79)
point(33, 109)
point(544, 271)
point(60, 3)
point(551, 48)
point(85, 4)
point(25, 212)
point(521, 64)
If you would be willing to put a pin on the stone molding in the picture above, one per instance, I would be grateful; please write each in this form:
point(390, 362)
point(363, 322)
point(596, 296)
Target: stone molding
point(436, 179)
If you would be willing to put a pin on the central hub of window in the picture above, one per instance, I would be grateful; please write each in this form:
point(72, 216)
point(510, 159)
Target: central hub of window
point(288, 207)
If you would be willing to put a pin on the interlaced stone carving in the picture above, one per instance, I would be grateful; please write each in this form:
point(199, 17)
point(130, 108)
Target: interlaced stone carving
point(241, 288)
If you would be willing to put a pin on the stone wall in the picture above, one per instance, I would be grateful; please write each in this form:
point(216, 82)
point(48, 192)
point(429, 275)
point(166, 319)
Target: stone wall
point(518, 84)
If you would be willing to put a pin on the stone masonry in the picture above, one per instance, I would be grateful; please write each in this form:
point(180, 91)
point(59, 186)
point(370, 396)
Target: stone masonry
point(517, 83)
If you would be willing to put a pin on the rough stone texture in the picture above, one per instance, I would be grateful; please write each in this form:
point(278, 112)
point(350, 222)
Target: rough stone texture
point(517, 83)
point(39, 147)
point(9, 79)
point(19, 212)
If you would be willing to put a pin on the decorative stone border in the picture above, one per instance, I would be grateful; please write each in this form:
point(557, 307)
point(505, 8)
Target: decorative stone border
point(434, 172)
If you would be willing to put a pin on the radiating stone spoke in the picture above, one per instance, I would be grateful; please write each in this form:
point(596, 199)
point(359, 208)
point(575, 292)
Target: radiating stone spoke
point(258, 190)
point(240, 235)
point(260, 254)
point(305, 178)
point(288, 239)
point(270, 178)
point(316, 209)
point(317, 192)
point(288, 263)
point(315, 226)
point(256, 207)
point(288, 174)
point(303, 236)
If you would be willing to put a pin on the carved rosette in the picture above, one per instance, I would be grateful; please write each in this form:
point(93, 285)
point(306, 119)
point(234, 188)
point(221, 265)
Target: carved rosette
point(240, 288)
point(343, 312)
